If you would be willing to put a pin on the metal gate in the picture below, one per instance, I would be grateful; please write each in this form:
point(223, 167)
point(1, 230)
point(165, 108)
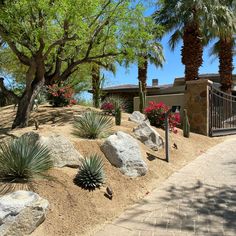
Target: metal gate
point(222, 113)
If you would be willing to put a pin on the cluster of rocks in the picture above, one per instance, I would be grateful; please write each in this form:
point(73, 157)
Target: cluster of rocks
point(22, 211)
point(123, 151)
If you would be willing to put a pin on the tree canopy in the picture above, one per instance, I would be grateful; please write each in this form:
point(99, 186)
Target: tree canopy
point(52, 38)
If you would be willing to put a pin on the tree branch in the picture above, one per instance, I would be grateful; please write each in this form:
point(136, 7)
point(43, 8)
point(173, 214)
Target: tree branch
point(71, 67)
point(23, 58)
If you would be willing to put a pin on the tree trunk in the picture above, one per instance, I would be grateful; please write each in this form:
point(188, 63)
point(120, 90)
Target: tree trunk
point(192, 51)
point(226, 64)
point(25, 105)
point(34, 83)
point(142, 73)
point(96, 85)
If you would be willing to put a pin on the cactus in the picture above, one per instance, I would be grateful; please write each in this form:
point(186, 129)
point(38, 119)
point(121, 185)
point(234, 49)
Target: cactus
point(186, 125)
point(118, 116)
point(142, 98)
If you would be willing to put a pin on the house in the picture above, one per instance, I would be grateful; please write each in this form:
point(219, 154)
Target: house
point(170, 94)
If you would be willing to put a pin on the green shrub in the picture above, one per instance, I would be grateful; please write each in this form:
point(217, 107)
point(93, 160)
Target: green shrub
point(93, 125)
point(21, 161)
point(91, 173)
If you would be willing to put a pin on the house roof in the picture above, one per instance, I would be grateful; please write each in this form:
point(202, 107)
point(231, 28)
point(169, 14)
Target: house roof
point(134, 86)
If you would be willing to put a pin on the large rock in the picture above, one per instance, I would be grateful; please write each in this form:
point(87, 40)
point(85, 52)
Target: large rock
point(123, 151)
point(138, 117)
point(149, 136)
point(21, 212)
point(62, 150)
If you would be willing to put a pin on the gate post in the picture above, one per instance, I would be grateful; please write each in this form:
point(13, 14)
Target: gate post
point(196, 101)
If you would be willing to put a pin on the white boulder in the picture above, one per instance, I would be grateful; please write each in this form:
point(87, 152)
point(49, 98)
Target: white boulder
point(21, 212)
point(62, 150)
point(149, 136)
point(123, 151)
point(138, 117)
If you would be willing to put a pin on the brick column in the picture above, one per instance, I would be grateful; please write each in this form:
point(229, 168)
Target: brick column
point(196, 101)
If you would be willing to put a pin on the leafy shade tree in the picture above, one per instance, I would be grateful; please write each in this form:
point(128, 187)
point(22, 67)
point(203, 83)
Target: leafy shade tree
point(185, 19)
point(53, 38)
point(225, 45)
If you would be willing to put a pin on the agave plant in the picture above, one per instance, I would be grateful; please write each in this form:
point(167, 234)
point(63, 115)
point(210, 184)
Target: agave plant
point(91, 173)
point(93, 125)
point(21, 161)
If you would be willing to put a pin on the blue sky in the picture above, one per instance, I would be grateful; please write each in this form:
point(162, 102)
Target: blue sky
point(172, 68)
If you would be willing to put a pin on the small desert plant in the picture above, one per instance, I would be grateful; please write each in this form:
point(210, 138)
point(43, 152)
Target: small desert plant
point(91, 173)
point(21, 160)
point(93, 125)
point(118, 116)
point(186, 125)
point(112, 103)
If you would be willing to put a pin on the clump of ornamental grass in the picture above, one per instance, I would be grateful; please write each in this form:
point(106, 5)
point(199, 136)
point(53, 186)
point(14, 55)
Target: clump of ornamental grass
point(93, 125)
point(21, 160)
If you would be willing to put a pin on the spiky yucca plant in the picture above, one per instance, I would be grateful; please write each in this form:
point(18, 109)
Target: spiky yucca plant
point(91, 173)
point(20, 160)
point(93, 125)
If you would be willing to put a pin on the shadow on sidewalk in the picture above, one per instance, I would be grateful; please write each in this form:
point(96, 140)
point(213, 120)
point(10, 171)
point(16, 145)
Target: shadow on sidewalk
point(194, 208)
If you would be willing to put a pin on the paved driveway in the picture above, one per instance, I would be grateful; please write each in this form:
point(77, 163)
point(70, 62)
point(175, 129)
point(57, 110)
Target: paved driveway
point(199, 199)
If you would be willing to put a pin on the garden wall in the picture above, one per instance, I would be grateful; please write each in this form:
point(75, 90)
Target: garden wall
point(196, 101)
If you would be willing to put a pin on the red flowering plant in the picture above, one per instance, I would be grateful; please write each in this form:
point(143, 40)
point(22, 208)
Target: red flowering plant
point(61, 95)
point(112, 103)
point(155, 112)
point(107, 107)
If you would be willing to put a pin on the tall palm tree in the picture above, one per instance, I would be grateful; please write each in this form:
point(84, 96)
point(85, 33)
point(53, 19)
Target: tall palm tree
point(185, 18)
point(152, 54)
point(224, 29)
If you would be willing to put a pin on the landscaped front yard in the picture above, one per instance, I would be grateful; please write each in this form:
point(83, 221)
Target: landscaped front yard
point(74, 210)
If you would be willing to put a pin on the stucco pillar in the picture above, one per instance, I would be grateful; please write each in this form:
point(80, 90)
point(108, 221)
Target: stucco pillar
point(196, 101)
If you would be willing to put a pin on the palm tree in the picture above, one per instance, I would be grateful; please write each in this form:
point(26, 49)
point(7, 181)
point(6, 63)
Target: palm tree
point(185, 18)
point(149, 51)
point(152, 54)
point(97, 80)
point(224, 47)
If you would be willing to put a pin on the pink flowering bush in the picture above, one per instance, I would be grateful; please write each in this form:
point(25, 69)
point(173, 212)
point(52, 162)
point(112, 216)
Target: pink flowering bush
point(60, 96)
point(112, 103)
point(155, 112)
point(107, 107)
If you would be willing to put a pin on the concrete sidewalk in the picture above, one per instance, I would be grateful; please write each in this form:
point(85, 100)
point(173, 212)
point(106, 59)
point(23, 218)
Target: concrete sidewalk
point(199, 199)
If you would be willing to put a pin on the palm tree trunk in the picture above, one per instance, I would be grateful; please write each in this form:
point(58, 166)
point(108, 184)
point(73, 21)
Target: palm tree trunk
point(226, 64)
point(142, 73)
point(192, 51)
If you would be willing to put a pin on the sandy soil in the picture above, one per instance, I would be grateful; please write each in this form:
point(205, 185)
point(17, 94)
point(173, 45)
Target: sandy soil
point(74, 211)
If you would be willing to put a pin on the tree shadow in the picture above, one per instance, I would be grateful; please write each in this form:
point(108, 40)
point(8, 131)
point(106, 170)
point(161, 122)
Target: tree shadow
point(190, 209)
